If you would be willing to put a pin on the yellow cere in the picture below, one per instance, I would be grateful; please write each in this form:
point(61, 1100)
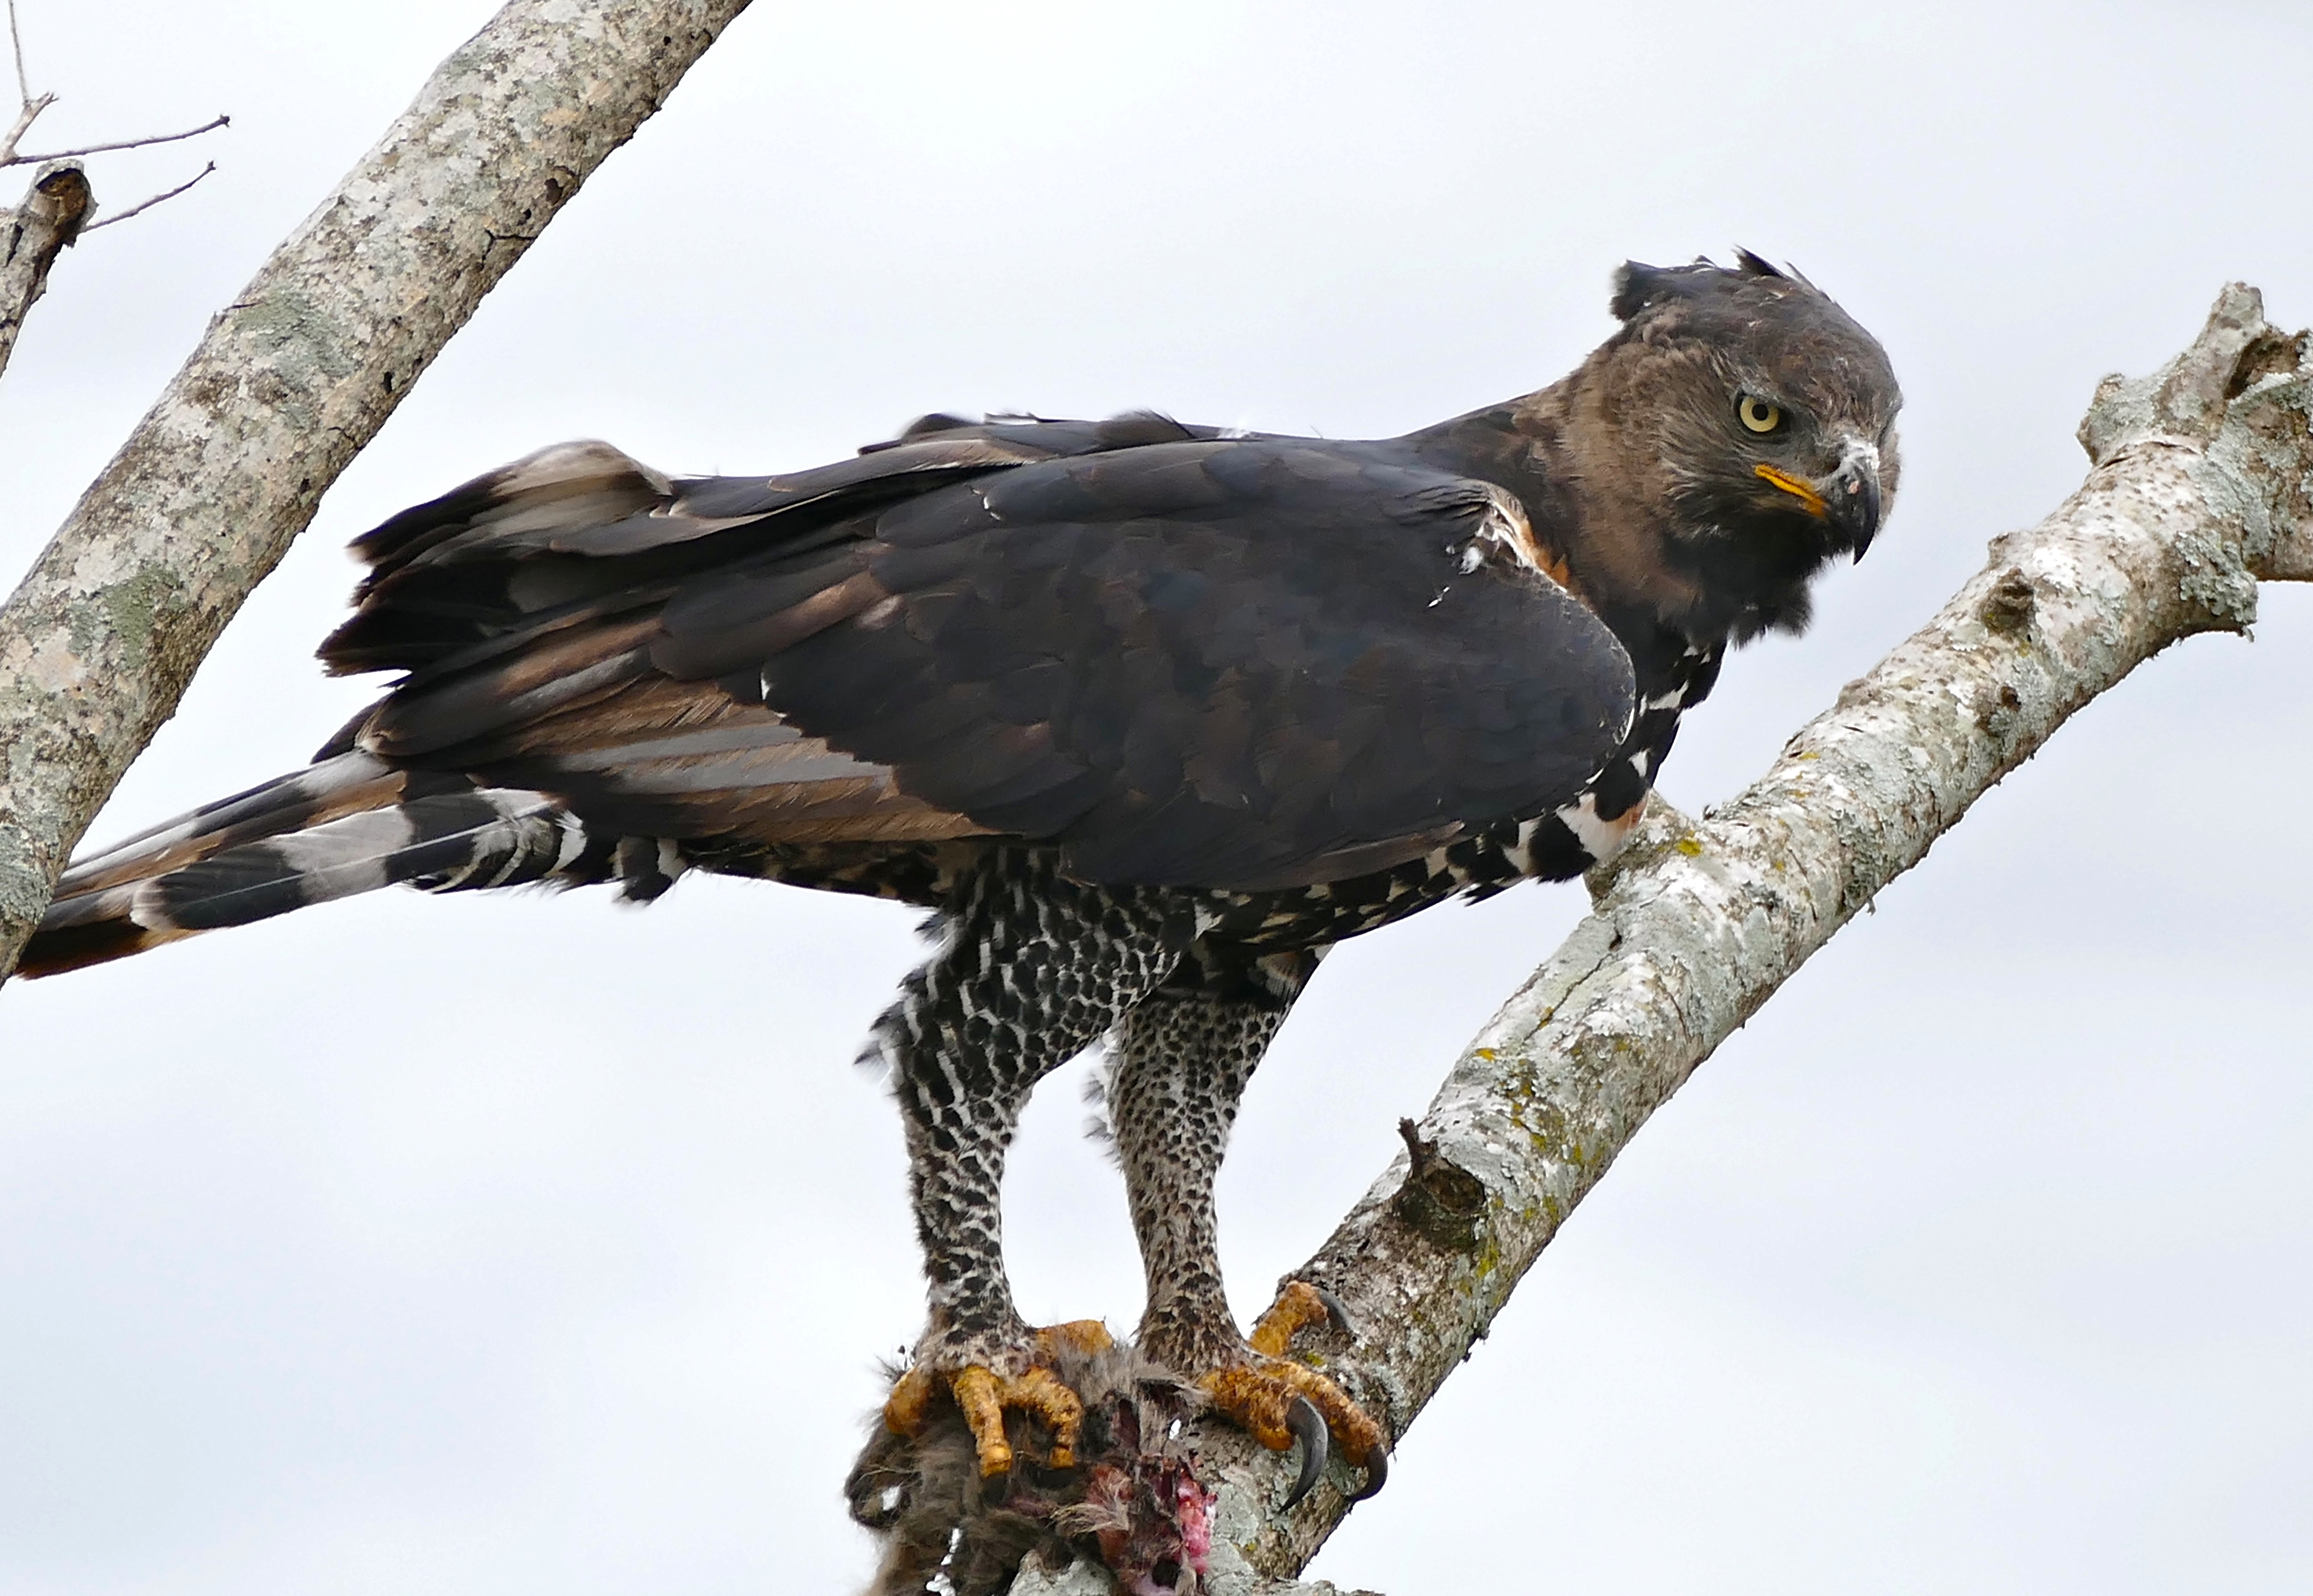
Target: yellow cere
point(1792, 486)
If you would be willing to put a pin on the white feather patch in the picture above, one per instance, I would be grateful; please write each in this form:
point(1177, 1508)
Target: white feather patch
point(1602, 840)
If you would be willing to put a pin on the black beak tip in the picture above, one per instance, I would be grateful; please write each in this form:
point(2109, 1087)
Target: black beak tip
point(1855, 506)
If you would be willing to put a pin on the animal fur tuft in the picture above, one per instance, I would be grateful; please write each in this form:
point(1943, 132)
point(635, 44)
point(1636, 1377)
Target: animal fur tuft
point(1132, 1503)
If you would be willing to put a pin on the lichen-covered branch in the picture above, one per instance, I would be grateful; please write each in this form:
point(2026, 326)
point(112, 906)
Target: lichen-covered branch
point(2199, 487)
point(291, 380)
point(54, 211)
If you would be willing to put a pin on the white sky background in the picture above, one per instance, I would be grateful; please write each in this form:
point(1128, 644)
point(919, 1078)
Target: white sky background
point(533, 1246)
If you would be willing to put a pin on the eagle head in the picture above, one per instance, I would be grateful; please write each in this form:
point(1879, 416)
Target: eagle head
point(1734, 435)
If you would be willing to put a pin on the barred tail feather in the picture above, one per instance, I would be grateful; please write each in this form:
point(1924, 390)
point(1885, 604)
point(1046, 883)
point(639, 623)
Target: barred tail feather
point(175, 882)
point(345, 785)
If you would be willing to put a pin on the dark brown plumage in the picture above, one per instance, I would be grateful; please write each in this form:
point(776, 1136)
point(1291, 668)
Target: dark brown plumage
point(1151, 714)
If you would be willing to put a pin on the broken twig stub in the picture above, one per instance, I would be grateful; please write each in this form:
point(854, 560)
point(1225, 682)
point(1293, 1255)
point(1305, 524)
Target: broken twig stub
point(52, 213)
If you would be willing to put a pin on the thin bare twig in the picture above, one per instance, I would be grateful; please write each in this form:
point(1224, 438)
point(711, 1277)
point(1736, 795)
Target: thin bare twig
point(21, 126)
point(146, 204)
point(124, 144)
point(16, 44)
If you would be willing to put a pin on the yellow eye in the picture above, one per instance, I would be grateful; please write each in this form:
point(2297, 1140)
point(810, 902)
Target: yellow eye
point(1758, 414)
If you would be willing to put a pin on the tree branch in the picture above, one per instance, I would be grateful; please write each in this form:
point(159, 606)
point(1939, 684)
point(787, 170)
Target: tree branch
point(26, 115)
point(24, 84)
point(142, 206)
point(53, 214)
point(2199, 487)
point(9, 155)
point(292, 380)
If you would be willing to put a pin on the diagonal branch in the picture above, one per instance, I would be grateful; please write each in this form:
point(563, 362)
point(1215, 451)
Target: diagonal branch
point(290, 382)
point(2199, 487)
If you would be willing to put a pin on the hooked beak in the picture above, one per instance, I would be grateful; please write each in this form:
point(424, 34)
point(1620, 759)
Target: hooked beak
point(1851, 497)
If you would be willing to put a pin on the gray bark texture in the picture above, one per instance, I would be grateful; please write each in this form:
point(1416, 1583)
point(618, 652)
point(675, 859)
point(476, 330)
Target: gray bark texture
point(31, 237)
point(289, 382)
point(2200, 485)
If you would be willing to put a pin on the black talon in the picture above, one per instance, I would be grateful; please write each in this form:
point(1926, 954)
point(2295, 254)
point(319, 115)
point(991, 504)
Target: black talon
point(1335, 1314)
point(1309, 1427)
point(1377, 1473)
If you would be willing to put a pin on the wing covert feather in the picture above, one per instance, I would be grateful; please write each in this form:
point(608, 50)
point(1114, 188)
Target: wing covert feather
point(1186, 660)
point(1218, 662)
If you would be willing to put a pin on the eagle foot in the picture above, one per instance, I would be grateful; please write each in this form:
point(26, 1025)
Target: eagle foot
point(1131, 1501)
point(982, 1395)
point(1278, 1401)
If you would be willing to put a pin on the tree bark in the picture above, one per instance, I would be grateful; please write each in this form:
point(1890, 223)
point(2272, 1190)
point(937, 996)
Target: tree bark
point(290, 382)
point(31, 237)
point(2198, 488)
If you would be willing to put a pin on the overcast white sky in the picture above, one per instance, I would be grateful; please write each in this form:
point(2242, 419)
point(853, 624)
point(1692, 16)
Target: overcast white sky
point(533, 1246)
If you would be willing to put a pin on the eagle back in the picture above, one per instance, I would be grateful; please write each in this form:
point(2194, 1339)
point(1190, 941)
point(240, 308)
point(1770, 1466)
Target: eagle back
point(1184, 657)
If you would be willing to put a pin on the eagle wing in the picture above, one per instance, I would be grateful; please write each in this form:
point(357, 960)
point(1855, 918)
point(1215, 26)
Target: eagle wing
point(1182, 658)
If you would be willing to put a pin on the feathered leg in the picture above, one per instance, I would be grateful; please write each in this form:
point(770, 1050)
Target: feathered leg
point(1032, 969)
point(1182, 1058)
